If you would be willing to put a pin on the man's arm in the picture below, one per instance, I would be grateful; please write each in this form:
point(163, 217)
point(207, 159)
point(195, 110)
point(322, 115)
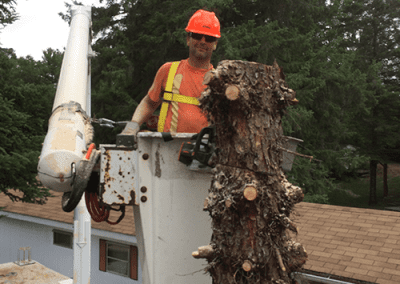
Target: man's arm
point(145, 109)
point(147, 106)
point(142, 113)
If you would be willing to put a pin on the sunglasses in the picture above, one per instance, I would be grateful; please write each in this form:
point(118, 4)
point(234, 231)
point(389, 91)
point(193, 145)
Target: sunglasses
point(200, 36)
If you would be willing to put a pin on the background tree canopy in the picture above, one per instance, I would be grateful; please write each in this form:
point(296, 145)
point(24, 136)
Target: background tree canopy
point(341, 58)
point(320, 47)
point(27, 89)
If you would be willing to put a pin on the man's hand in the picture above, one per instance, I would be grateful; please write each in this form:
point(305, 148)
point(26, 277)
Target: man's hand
point(131, 128)
point(128, 136)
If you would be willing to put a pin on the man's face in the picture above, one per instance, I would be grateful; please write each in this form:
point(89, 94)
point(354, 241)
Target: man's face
point(200, 48)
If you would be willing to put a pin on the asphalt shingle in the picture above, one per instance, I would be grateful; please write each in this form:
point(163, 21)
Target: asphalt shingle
point(351, 242)
point(52, 211)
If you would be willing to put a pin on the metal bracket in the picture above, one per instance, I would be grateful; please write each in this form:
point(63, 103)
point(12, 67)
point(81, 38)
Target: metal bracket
point(118, 175)
point(127, 141)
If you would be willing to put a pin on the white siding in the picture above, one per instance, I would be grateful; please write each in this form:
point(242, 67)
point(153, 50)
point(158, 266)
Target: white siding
point(16, 233)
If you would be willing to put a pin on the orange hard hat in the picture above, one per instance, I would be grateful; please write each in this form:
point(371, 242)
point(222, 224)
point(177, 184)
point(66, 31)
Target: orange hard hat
point(204, 22)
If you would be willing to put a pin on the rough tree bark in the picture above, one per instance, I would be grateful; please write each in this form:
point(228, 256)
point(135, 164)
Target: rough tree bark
point(250, 199)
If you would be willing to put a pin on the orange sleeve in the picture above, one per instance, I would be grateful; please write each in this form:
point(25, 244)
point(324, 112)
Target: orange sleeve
point(159, 82)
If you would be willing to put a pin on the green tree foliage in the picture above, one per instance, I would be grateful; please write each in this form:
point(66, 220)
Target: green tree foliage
point(51, 66)
point(302, 38)
point(20, 129)
point(27, 89)
point(375, 35)
point(7, 12)
point(371, 28)
point(134, 38)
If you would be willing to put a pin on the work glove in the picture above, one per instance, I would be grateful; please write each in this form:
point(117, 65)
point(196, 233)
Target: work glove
point(128, 136)
point(131, 128)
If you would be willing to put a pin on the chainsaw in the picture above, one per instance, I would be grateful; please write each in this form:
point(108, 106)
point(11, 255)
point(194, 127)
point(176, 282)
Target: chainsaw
point(201, 150)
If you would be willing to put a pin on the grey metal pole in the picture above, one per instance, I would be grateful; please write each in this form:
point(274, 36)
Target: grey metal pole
point(82, 243)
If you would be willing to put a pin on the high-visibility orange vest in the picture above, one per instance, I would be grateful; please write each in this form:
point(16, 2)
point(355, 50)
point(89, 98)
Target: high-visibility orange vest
point(169, 98)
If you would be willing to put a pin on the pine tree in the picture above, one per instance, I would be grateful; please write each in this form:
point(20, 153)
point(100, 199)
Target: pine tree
point(7, 12)
point(26, 99)
point(134, 38)
point(371, 28)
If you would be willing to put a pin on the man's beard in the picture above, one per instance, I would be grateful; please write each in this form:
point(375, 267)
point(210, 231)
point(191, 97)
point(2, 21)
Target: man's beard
point(201, 55)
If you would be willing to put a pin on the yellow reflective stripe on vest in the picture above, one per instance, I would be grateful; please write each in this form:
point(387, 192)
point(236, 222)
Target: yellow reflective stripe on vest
point(171, 76)
point(168, 88)
point(170, 97)
point(181, 99)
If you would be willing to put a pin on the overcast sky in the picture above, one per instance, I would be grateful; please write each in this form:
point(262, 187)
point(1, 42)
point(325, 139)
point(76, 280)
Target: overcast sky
point(38, 28)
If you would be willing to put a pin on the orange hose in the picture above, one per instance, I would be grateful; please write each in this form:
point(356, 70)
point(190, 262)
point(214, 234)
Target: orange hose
point(89, 152)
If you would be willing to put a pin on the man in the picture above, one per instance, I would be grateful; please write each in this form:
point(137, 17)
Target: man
point(178, 85)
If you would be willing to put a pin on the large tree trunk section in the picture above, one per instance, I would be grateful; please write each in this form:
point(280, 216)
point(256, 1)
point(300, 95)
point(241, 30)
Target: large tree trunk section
point(250, 199)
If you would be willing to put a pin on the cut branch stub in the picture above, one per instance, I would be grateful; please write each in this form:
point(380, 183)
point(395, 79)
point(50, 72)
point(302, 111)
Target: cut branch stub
point(205, 205)
point(250, 193)
point(204, 252)
point(232, 92)
point(247, 265)
point(293, 102)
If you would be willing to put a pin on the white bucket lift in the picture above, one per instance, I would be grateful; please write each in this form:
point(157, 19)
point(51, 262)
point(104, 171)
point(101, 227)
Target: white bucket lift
point(169, 196)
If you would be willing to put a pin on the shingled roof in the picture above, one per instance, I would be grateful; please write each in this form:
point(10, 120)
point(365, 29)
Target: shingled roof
point(52, 210)
point(357, 243)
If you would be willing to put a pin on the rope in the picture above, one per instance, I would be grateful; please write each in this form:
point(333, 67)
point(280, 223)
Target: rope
point(89, 131)
point(174, 119)
point(297, 154)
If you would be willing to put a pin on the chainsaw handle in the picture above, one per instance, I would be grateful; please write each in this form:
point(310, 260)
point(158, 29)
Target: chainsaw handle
point(209, 147)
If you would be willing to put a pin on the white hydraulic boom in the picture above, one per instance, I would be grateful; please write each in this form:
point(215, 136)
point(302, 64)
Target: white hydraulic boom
point(64, 165)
